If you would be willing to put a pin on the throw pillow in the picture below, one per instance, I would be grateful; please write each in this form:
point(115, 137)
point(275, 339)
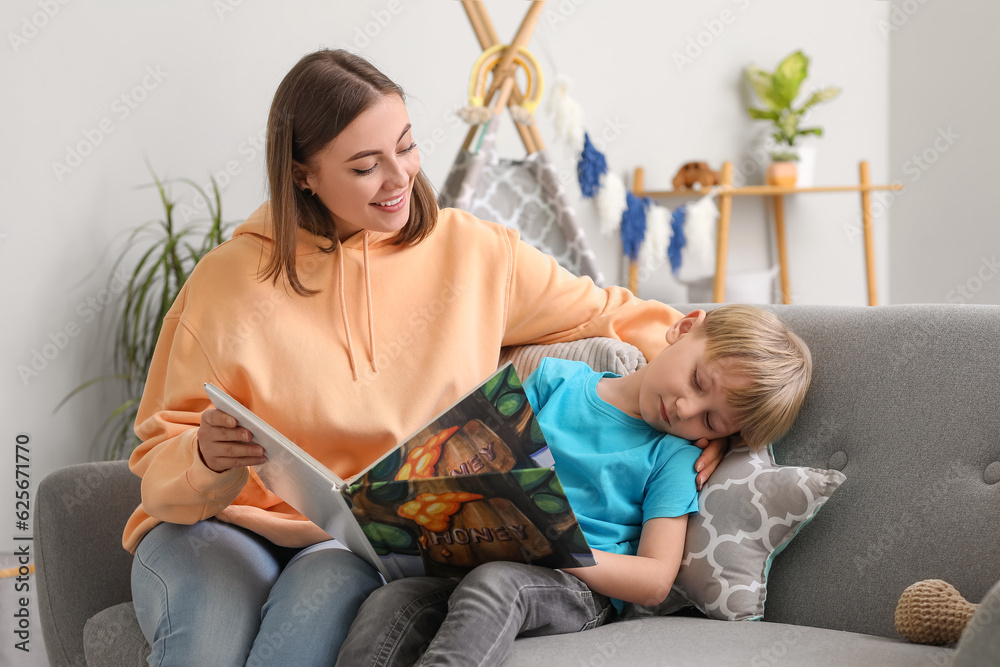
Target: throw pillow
point(748, 511)
point(601, 354)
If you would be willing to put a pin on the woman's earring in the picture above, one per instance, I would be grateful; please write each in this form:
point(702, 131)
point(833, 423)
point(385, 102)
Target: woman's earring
point(308, 193)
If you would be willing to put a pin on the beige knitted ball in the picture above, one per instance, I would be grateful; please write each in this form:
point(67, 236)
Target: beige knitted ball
point(932, 612)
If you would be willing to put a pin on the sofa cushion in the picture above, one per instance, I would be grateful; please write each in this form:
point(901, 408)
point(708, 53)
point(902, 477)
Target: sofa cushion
point(748, 511)
point(676, 640)
point(113, 637)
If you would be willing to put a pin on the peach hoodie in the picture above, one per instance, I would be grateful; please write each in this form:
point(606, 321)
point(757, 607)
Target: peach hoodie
point(396, 334)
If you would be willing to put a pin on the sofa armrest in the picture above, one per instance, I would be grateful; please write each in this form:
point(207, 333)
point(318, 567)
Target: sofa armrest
point(80, 565)
point(980, 642)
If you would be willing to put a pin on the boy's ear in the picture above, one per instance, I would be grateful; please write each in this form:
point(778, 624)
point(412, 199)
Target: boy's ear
point(684, 325)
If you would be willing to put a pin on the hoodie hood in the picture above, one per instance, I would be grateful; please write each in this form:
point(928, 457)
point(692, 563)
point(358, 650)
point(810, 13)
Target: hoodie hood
point(259, 226)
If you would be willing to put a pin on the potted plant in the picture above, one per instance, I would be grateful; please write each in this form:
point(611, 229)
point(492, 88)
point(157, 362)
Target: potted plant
point(167, 251)
point(778, 91)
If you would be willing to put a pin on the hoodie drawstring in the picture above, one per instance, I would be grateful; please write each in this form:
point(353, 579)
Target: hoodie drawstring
point(343, 313)
point(371, 315)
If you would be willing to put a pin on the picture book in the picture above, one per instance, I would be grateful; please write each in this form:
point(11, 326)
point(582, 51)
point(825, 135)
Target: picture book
point(474, 485)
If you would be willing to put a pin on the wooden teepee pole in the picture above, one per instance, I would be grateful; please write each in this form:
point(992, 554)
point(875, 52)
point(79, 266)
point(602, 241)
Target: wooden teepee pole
point(487, 36)
point(505, 68)
point(530, 136)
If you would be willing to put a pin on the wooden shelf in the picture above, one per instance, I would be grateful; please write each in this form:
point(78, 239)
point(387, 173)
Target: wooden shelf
point(725, 192)
point(766, 190)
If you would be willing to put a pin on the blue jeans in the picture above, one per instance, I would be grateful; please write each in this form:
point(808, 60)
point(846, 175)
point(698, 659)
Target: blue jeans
point(441, 622)
point(215, 594)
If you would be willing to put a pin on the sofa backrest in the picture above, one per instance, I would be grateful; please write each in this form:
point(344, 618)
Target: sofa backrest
point(904, 401)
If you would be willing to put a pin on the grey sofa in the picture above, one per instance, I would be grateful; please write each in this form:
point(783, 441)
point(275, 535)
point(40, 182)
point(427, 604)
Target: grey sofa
point(904, 401)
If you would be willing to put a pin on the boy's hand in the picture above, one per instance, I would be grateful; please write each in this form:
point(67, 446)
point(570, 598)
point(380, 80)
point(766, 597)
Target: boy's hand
point(710, 458)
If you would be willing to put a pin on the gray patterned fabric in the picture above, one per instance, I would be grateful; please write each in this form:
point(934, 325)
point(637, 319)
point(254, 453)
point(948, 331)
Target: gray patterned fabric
point(748, 511)
point(601, 354)
point(526, 195)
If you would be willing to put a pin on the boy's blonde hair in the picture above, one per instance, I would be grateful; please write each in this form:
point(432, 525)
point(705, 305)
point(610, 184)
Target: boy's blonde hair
point(758, 345)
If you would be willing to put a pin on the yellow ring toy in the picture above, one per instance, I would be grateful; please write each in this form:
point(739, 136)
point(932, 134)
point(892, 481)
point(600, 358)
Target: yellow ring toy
point(488, 61)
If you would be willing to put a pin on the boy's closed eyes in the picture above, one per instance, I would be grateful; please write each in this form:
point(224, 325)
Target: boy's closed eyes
point(680, 392)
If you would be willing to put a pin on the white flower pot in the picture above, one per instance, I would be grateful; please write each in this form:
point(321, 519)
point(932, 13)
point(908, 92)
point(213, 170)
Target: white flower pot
point(807, 166)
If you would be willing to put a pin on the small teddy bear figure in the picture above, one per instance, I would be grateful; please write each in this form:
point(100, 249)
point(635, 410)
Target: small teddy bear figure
point(932, 612)
point(695, 172)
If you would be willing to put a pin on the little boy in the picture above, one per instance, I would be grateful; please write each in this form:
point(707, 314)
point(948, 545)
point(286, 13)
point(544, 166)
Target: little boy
point(622, 448)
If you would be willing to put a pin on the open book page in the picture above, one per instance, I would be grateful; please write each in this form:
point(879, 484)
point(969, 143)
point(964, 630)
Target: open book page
point(490, 429)
point(473, 486)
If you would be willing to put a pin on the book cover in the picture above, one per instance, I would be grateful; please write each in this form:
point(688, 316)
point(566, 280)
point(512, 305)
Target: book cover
point(474, 485)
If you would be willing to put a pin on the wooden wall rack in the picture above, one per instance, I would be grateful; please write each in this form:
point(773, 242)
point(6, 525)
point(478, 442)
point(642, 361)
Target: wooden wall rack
point(726, 192)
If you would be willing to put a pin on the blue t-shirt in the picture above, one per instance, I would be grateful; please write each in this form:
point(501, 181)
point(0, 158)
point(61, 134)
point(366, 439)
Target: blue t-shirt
point(617, 470)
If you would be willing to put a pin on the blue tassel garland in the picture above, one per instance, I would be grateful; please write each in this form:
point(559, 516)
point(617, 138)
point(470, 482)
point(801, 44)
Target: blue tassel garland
point(589, 169)
point(677, 238)
point(633, 228)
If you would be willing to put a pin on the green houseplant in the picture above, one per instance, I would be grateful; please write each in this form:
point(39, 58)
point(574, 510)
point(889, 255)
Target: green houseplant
point(164, 252)
point(778, 90)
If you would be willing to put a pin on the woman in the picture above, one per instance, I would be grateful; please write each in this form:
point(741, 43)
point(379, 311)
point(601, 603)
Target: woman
point(345, 312)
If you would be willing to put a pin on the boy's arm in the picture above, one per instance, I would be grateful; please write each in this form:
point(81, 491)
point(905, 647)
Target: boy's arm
point(647, 577)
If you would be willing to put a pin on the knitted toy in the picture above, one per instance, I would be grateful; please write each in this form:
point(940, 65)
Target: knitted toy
point(932, 612)
point(693, 173)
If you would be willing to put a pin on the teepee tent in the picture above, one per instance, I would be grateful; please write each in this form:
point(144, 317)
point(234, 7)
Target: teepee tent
point(525, 193)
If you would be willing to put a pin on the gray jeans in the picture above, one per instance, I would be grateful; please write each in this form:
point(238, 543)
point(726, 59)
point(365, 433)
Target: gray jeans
point(433, 621)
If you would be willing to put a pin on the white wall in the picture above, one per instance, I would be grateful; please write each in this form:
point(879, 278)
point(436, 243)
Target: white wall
point(944, 143)
point(201, 80)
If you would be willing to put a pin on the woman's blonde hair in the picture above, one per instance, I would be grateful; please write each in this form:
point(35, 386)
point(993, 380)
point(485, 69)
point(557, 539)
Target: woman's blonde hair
point(756, 344)
point(321, 95)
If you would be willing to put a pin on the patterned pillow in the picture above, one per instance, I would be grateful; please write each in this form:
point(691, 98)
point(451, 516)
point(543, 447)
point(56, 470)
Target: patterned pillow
point(748, 511)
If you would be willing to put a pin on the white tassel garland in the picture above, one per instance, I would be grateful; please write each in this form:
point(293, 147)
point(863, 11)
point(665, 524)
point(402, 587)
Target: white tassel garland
point(698, 256)
point(653, 251)
point(611, 202)
point(568, 115)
